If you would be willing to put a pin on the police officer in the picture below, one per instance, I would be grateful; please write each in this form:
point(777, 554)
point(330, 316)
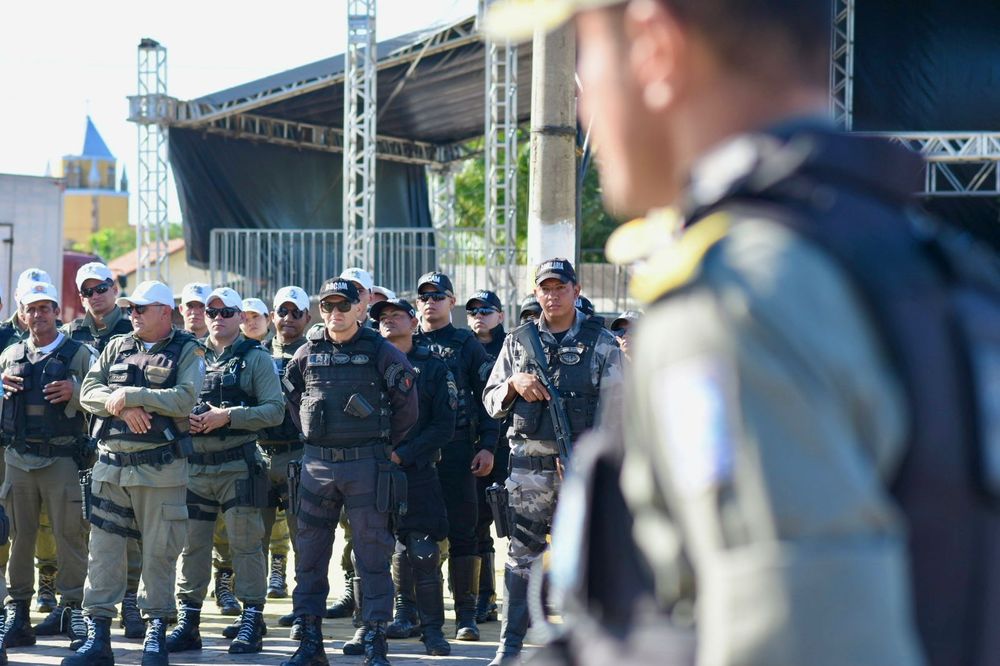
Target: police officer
point(470, 453)
point(484, 314)
point(141, 391)
point(584, 363)
point(623, 328)
point(256, 325)
point(530, 310)
point(43, 429)
point(194, 300)
point(102, 320)
point(416, 563)
point(353, 395)
point(227, 475)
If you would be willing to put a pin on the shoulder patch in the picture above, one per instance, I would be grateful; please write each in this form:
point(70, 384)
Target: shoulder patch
point(452, 392)
point(199, 351)
point(678, 264)
point(486, 369)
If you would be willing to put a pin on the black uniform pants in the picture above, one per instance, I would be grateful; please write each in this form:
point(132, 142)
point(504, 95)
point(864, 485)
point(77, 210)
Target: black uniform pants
point(459, 488)
point(501, 460)
point(425, 509)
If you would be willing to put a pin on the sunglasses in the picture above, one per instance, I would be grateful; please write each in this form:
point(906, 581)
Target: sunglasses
point(620, 332)
point(330, 306)
point(436, 296)
point(102, 288)
point(486, 312)
point(138, 309)
point(227, 313)
point(294, 314)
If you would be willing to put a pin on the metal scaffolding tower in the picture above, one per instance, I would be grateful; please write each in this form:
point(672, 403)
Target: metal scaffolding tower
point(151, 110)
point(501, 168)
point(442, 182)
point(842, 63)
point(359, 135)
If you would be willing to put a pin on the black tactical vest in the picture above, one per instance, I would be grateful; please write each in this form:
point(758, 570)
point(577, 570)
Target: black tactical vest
point(28, 416)
point(8, 334)
point(335, 376)
point(450, 351)
point(222, 387)
point(81, 333)
point(569, 369)
point(134, 366)
point(286, 432)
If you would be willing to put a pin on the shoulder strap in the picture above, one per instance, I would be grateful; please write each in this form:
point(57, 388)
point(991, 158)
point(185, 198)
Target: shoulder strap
point(244, 348)
point(67, 350)
point(422, 353)
point(20, 351)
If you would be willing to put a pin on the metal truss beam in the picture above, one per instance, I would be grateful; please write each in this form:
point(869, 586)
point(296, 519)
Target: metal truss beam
point(359, 134)
point(149, 109)
point(842, 63)
point(443, 214)
point(197, 112)
point(959, 164)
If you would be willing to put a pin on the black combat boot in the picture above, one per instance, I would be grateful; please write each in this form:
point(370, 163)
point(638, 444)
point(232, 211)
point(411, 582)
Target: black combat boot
point(249, 639)
point(344, 606)
point(295, 633)
point(430, 603)
point(17, 625)
point(376, 646)
point(310, 652)
point(463, 574)
point(54, 623)
point(186, 635)
point(45, 598)
point(277, 582)
point(286, 620)
point(405, 623)
point(486, 604)
point(131, 619)
point(356, 646)
point(231, 630)
point(154, 647)
point(515, 619)
point(3, 627)
point(224, 597)
point(96, 650)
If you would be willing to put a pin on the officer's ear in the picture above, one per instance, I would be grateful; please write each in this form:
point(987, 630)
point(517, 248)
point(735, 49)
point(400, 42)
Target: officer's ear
point(451, 299)
point(55, 309)
point(576, 290)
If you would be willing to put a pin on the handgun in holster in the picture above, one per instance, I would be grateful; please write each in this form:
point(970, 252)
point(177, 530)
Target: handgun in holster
point(86, 493)
point(358, 407)
point(86, 452)
point(294, 476)
point(255, 491)
point(391, 489)
point(498, 499)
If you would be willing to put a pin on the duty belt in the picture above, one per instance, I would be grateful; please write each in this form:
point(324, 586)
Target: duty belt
point(274, 447)
point(220, 457)
point(331, 454)
point(161, 455)
point(534, 463)
point(46, 450)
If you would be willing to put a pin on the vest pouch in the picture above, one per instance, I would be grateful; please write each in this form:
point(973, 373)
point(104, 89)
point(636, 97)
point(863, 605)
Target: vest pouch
point(526, 416)
point(311, 414)
point(580, 412)
point(121, 374)
point(23, 371)
point(156, 376)
point(53, 370)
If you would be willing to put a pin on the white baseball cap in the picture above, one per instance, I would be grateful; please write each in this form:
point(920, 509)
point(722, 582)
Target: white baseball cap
point(292, 294)
point(388, 293)
point(359, 275)
point(255, 305)
point(28, 277)
point(195, 292)
point(95, 270)
point(229, 298)
point(150, 292)
point(38, 291)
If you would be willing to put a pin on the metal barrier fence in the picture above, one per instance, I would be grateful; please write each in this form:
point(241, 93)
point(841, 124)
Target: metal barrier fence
point(257, 263)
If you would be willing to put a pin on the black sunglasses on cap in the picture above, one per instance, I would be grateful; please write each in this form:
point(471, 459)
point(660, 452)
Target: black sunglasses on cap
point(102, 288)
point(330, 306)
point(436, 296)
point(486, 312)
point(294, 314)
point(227, 313)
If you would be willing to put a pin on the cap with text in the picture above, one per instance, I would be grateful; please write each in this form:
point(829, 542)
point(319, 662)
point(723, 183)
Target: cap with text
point(359, 275)
point(517, 20)
point(95, 270)
point(229, 298)
point(255, 305)
point(38, 291)
point(150, 292)
point(297, 296)
point(555, 268)
point(486, 297)
point(398, 303)
point(439, 280)
point(339, 287)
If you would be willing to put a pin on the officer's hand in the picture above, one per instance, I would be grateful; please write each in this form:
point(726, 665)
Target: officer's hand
point(395, 458)
point(11, 384)
point(115, 404)
point(57, 392)
point(213, 419)
point(528, 387)
point(137, 419)
point(482, 464)
point(623, 343)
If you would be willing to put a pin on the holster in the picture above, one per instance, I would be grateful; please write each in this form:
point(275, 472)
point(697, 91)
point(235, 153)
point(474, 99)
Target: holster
point(86, 492)
point(391, 490)
point(255, 491)
point(498, 499)
point(86, 452)
point(294, 474)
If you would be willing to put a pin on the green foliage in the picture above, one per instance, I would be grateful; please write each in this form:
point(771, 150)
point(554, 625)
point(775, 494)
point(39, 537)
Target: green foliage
point(112, 243)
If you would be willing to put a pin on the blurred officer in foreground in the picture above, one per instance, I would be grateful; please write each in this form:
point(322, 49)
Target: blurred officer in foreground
point(141, 391)
point(353, 395)
point(102, 321)
point(227, 475)
point(416, 564)
point(795, 393)
point(470, 453)
point(551, 376)
point(43, 429)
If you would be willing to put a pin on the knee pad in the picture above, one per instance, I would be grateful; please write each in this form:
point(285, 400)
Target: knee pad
point(423, 551)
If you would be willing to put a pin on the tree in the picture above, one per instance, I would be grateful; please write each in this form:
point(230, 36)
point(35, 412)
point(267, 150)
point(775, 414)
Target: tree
point(112, 243)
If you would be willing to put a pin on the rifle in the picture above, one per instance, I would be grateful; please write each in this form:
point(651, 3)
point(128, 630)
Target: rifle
point(535, 363)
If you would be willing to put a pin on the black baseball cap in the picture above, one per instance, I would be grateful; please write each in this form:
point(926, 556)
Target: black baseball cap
point(487, 297)
point(530, 304)
point(584, 305)
point(339, 287)
point(555, 268)
point(439, 280)
point(400, 303)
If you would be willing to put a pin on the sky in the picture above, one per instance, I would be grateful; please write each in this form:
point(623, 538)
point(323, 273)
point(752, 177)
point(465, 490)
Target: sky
point(60, 60)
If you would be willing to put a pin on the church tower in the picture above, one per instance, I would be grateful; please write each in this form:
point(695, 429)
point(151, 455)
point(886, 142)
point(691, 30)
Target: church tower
point(93, 199)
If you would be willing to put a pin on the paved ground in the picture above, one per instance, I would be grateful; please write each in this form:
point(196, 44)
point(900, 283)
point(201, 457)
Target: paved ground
point(277, 646)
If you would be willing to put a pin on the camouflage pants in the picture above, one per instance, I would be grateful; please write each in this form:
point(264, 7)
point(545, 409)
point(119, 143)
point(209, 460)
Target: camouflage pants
point(533, 500)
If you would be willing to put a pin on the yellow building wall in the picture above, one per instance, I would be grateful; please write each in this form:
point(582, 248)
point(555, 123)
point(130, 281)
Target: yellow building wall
point(105, 167)
point(79, 215)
